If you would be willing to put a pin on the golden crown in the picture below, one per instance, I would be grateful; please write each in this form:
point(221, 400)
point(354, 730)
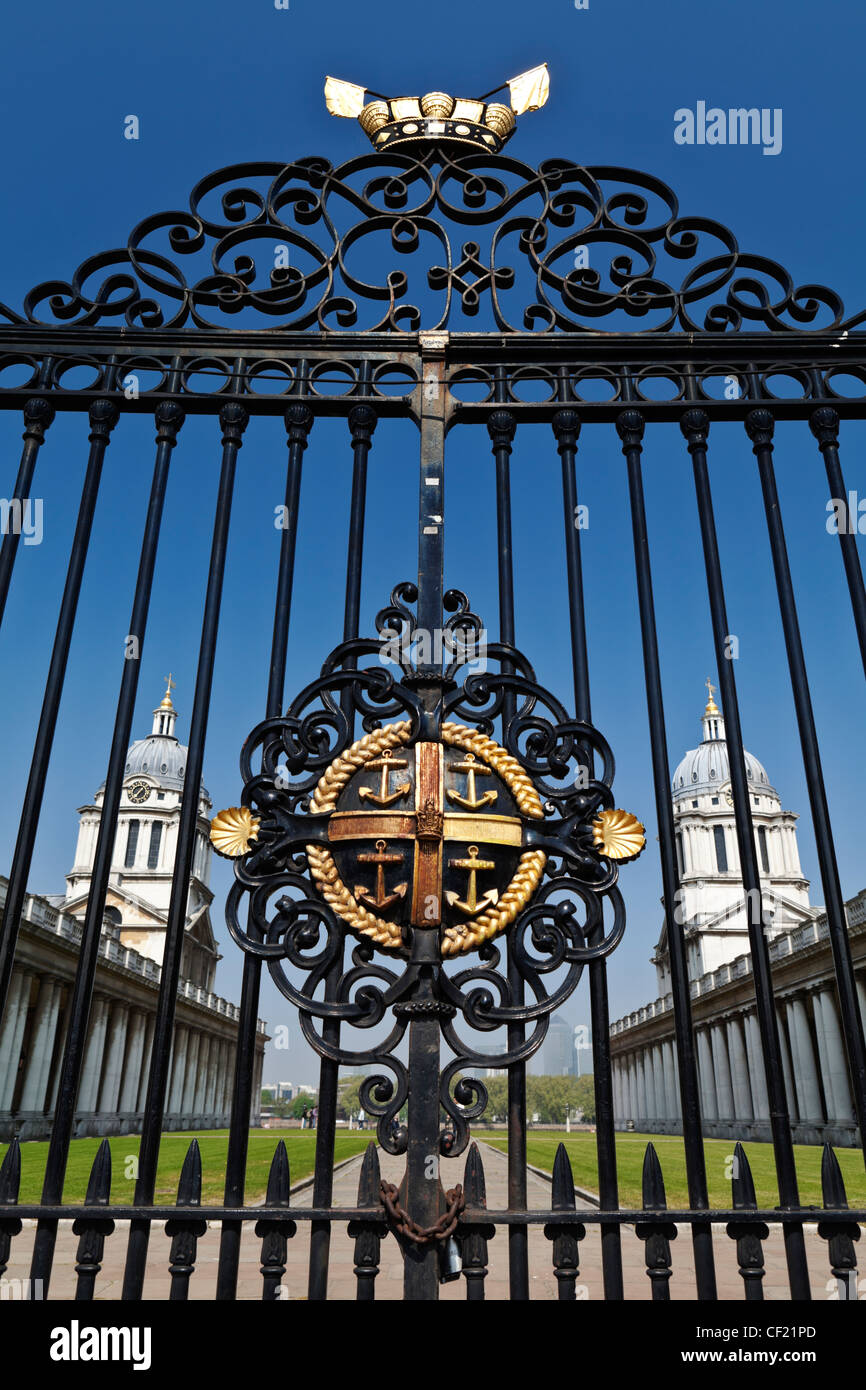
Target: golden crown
point(438, 117)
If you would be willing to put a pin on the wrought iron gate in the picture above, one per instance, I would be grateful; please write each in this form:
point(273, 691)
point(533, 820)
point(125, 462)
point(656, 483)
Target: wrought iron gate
point(455, 754)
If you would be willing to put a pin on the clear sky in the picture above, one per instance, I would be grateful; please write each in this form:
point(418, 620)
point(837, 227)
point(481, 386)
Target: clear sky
point(221, 83)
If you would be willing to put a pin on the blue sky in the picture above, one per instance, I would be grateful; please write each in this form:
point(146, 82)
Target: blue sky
point(217, 84)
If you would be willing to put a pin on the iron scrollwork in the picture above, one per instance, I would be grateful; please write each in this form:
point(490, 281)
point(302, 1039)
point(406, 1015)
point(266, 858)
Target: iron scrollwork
point(544, 834)
point(270, 246)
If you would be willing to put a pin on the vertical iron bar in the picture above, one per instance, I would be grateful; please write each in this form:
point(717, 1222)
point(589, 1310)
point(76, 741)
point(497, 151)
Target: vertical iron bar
point(824, 424)
point(431, 498)
point(299, 421)
point(630, 427)
point(103, 417)
point(760, 426)
point(38, 415)
point(233, 419)
point(695, 426)
point(423, 1188)
point(362, 422)
point(566, 428)
point(169, 418)
point(502, 426)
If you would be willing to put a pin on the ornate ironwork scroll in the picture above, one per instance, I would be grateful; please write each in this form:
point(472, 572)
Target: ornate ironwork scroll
point(426, 839)
point(291, 246)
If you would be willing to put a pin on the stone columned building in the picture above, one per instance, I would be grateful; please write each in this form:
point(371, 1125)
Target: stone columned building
point(713, 914)
point(114, 1075)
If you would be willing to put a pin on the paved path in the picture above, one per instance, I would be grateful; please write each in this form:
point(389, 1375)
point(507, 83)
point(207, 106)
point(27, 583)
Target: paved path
point(389, 1283)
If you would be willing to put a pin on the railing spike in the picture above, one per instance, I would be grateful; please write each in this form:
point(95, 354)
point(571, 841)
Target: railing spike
point(474, 1238)
point(657, 1235)
point(832, 1182)
point(474, 1184)
point(10, 1183)
point(566, 1237)
point(840, 1235)
point(10, 1174)
point(749, 1235)
point(563, 1181)
point(652, 1182)
point(185, 1233)
point(189, 1186)
point(99, 1183)
point(367, 1234)
point(92, 1234)
point(279, 1178)
point(370, 1180)
point(742, 1182)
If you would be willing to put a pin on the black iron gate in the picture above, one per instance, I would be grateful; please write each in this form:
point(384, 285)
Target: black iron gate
point(486, 827)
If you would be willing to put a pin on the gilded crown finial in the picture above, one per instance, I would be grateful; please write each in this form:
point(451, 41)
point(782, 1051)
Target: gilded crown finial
point(165, 702)
point(437, 116)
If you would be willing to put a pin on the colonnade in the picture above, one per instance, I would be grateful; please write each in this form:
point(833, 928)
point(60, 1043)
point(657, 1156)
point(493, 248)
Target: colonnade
point(116, 1062)
point(731, 1074)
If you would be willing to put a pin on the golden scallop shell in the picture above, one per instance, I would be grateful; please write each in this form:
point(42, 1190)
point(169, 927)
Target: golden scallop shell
point(499, 119)
point(232, 830)
point(619, 834)
point(437, 105)
point(374, 115)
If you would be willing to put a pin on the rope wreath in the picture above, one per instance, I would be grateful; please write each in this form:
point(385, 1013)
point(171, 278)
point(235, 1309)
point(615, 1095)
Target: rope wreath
point(455, 940)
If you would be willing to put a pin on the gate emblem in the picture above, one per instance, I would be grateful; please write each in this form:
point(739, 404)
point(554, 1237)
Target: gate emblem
point(412, 841)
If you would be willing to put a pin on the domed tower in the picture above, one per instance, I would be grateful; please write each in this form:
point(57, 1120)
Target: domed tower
point(713, 910)
point(144, 852)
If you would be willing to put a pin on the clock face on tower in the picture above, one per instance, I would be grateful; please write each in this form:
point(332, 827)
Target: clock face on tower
point(138, 792)
point(729, 796)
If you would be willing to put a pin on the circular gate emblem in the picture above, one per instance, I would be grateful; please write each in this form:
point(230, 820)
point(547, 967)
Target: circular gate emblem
point(430, 836)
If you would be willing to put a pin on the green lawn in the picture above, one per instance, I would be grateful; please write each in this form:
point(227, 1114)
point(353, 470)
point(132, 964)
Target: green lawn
point(630, 1148)
point(213, 1143)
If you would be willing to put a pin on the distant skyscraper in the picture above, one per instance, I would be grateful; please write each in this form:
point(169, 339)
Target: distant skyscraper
point(558, 1051)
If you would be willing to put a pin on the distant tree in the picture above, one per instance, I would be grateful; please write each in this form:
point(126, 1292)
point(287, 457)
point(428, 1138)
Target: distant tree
point(300, 1104)
point(267, 1097)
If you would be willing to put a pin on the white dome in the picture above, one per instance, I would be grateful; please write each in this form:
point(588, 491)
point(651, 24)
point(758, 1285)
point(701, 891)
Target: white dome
point(707, 768)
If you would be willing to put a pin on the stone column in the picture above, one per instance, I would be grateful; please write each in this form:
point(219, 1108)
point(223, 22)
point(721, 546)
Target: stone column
point(805, 1073)
point(707, 1078)
point(212, 1075)
point(229, 1075)
point(12, 1034)
point(837, 1086)
point(132, 1068)
point(670, 1081)
point(115, 1047)
point(191, 1078)
point(861, 996)
point(659, 1083)
point(91, 1070)
point(722, 1072)
point(41, 1046)
point(757, 1075)
point(787, 1068)
point(739, 1071)
point(641, 1086)
point(178, 1071)
point(205, 1046)
point(256, 1099)
point(149, 1026)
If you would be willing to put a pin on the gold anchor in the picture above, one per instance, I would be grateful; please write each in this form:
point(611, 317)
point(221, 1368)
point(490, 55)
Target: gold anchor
point(380, 859)
point(473, 903)
point(472, 770)
point(385, 764)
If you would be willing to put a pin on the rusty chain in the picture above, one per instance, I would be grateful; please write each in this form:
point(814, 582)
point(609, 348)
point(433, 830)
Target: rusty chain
point(402, 1222)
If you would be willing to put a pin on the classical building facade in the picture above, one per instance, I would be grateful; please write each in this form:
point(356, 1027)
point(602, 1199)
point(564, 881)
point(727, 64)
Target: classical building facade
point(714, 916)
point(114, 1075)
